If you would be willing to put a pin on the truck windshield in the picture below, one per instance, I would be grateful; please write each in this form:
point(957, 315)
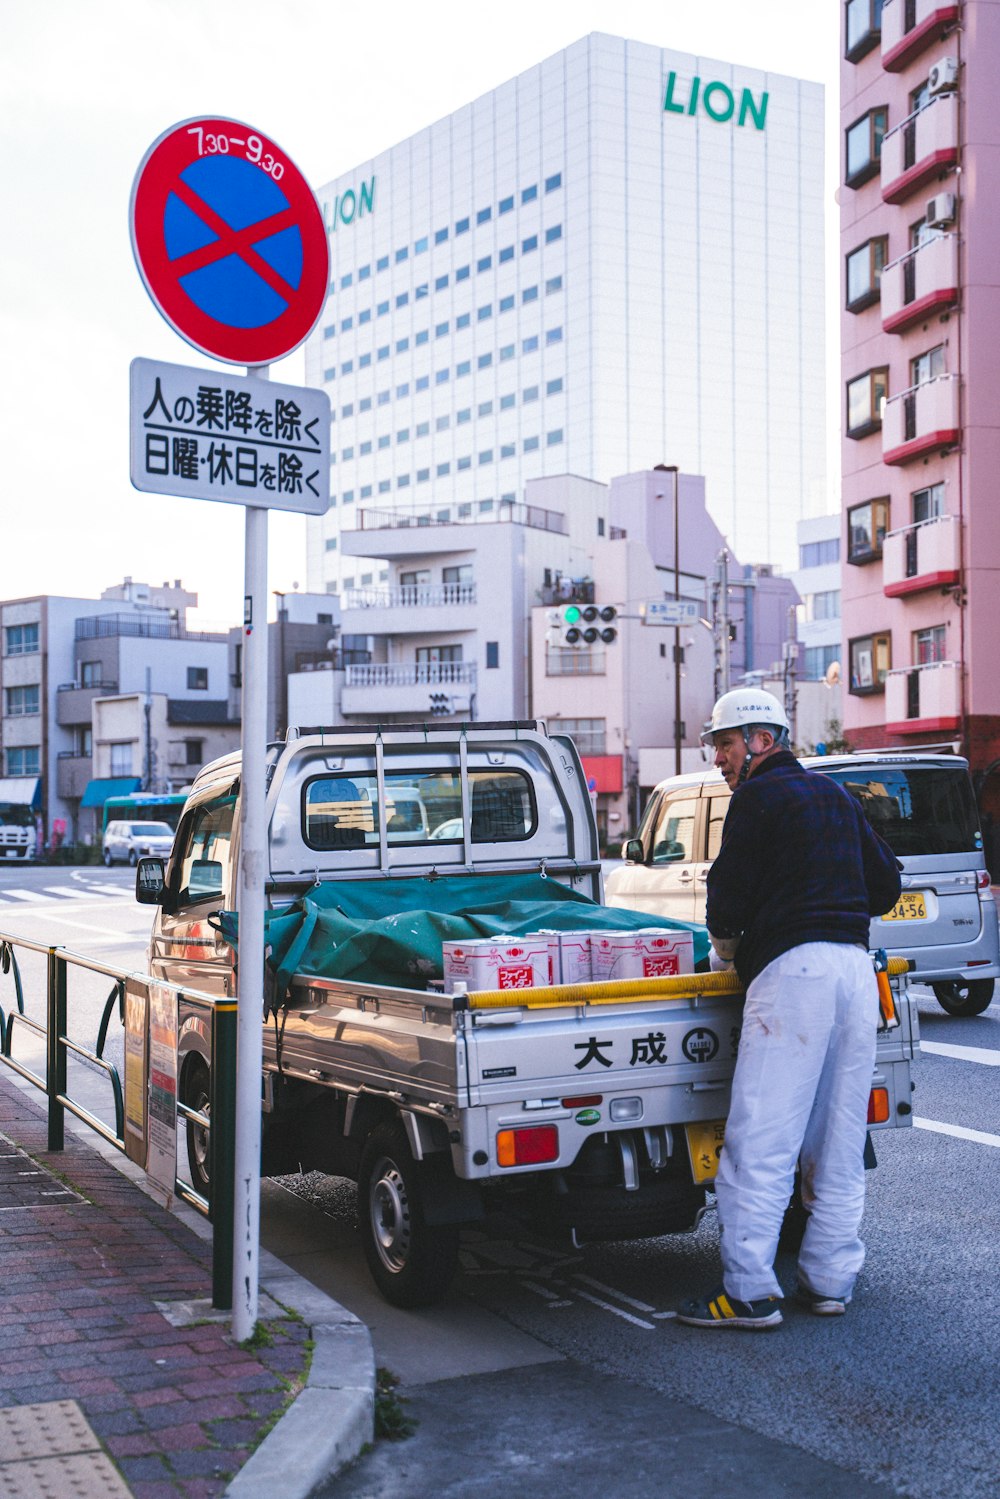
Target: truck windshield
point(917, 809)
point(17, 815)
point(421, 807)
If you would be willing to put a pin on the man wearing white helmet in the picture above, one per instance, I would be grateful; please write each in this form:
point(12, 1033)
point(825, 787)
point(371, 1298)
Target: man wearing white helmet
point(798, 877)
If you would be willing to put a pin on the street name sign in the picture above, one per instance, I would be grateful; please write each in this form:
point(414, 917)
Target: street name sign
point(671, 612)
point(229, 240)
point(209, 436)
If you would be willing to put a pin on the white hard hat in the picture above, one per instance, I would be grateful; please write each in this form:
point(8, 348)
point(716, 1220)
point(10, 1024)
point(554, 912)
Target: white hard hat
point(742, 708)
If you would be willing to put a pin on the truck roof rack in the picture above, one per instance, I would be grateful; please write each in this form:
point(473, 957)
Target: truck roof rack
point(297, 731)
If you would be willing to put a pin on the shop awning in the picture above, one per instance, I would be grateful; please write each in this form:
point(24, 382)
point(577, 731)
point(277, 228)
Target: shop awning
point(99, 791)
point(605, 771)
point(22, 791)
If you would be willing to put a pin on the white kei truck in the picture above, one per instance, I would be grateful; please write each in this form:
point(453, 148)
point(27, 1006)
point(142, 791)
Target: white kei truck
point(591, 1110)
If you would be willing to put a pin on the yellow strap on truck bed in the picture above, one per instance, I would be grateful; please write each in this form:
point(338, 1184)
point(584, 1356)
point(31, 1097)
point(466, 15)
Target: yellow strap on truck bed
point(611, 992)
point(617, 991)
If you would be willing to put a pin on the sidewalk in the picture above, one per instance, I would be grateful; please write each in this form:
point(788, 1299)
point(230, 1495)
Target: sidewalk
point(117, 1378)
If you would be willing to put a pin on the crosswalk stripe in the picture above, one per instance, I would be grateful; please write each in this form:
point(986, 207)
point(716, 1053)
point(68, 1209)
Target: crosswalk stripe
point(32, 895)
point(73, 890)
point(981, 1054)
point(957, 1131)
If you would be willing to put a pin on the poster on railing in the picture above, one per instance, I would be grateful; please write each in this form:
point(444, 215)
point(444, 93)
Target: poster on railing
point(135, 1072)
point(161, 1159)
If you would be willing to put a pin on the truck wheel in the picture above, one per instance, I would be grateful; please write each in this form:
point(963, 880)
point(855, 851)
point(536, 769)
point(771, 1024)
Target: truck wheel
point(197, 1095)
point(412, 1262)
point(964, 996)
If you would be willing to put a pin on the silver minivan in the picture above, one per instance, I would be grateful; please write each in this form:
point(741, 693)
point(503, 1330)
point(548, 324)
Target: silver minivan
point(922, 804)
point(130, 841)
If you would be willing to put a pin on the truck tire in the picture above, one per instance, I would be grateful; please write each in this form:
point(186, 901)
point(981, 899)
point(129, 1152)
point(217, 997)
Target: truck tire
point(198, 1095)
point(411, 1261)
point(964, 996)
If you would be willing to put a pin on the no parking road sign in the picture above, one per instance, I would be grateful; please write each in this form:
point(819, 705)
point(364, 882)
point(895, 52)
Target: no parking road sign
point(229, 240)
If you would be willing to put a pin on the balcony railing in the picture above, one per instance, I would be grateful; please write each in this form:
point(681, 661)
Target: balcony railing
point(137, 627)
point(923, 699)
point(922, 147)
point(73, 702)
point(419, 674)
point(920, 282)
point(908, 26)
point(507, 511)
point(411, 596)
point(927, 555)
point(920, 419)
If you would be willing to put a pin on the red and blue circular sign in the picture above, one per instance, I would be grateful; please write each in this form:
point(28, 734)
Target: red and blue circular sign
point(229, 240)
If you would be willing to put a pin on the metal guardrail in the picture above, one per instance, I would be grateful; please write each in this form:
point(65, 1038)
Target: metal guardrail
point(219, 1124)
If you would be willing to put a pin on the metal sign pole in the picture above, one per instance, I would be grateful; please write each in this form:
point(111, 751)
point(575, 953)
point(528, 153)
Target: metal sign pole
point(253, 863)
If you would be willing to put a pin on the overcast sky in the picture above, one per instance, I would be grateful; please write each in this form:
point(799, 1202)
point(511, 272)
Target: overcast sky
point(88, 85)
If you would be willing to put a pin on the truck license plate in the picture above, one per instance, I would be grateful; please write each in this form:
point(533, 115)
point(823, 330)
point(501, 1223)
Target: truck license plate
point(910, 906)
point(704, 1142)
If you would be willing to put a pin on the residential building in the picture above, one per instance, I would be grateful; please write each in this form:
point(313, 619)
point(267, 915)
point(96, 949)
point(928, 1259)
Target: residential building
point(61, 657)
point(818, 696)
point(615, 255)
point(305, 636)
point(920, 217)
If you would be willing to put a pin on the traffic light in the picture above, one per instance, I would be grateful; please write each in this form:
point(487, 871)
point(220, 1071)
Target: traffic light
point(581, 625)
point(606, 615)
point(440, 704)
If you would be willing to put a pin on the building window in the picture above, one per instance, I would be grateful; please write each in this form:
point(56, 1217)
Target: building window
point(529, 345)
point(331, 543)
point(507, 450)
point(484, 361)
point(506, 204)
point(507, 253)
point(403, 299)
point(403, 254)
point(554, 233)
point(529, 244)
point(484, 313)
point(484, 215)
point(929, 645)
point(384, 440)
point(463, 320)
point(365, 404)
point(554, 283)
point(866, 528)
point(421, 245)
point(463, 463)
point(818, 553)
point(382, 264)
point(91, 674)
point(421, 337)
point(463, 273)
point(862, 27)
point(551, 183)
point(824, 605)
point(486, 456)
point(927, 504)
point(927, 366)
point(554, 336)
point(382, 309)
point(870, 659)
point(553, 387)
point(22, 702)
point(384, 486)
point(194, 751)
point(432, 654)
point(492, 655)
point(588, 734)
point(440, 235)
point(121, 758)
point(864, 273)
point(364, 272)
point(817, 661)
point(83, 742)
point(464, 367)
point(530, 294)
point(462, 226)
point(863, 143)
point(197, 678)
point(529, 194)
point(866, 397)
point(553, 439)
point(465, 415)
point(22, 640)
point(24, 761)
point(483, 263)
point(531, 444)
point(506, 304)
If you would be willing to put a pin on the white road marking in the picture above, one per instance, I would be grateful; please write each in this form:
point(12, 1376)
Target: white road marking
point(978, 1136)
point(606, 1305)
point(639, 1306)
point(73, 891)
point(32, 895)
point(981, 1054)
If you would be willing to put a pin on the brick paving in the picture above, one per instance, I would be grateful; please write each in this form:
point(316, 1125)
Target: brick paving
point(179, 1410)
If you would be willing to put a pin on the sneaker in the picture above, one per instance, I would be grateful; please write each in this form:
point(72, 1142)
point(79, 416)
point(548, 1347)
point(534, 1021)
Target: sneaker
point(722, 1310)
point(820, 1305)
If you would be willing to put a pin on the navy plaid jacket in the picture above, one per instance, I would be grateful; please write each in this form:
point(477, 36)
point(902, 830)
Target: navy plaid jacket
point(799, 863)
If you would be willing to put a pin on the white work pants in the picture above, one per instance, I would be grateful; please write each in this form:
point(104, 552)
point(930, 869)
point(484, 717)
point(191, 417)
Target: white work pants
point(801, 1086)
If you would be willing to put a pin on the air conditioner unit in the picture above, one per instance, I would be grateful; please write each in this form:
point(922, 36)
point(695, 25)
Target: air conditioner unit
point(941, 210)
point(943, 76)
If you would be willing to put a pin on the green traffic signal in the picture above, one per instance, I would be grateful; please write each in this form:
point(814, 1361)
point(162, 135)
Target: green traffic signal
point(571, 614)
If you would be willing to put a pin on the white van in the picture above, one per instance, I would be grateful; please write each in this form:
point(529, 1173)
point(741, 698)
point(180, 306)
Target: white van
point(922, 804)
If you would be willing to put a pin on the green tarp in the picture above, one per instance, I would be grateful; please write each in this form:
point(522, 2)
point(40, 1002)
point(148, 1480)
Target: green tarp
point(340, 929)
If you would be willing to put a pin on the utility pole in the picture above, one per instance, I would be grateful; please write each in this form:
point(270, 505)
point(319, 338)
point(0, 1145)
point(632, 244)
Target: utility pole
point(678, 654)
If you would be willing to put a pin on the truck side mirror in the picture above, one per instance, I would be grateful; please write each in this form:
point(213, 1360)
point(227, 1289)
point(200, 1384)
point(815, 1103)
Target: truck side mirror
point(150, 881)
point(633, 851)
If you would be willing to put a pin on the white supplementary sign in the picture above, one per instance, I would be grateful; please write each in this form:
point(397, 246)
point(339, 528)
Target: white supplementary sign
point(202, 435)
point(671, 612)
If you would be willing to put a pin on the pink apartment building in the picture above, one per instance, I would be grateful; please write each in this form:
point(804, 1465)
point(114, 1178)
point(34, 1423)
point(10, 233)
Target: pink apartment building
point(920, 238)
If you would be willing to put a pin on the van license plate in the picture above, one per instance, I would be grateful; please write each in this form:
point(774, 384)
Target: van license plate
point(704, 1142)
point(910, 906)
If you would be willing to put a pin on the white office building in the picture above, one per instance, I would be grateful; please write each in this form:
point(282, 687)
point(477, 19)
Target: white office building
point(613, 258)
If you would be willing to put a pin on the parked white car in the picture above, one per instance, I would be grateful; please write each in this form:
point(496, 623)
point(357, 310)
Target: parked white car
point(127, 842)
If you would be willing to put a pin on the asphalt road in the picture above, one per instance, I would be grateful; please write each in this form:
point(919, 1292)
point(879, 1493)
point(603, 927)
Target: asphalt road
point(900, 1392)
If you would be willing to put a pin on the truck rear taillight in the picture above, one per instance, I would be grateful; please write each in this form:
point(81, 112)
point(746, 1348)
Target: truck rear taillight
point(532, 1146)
point(878, 1106)
point(984, 879)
